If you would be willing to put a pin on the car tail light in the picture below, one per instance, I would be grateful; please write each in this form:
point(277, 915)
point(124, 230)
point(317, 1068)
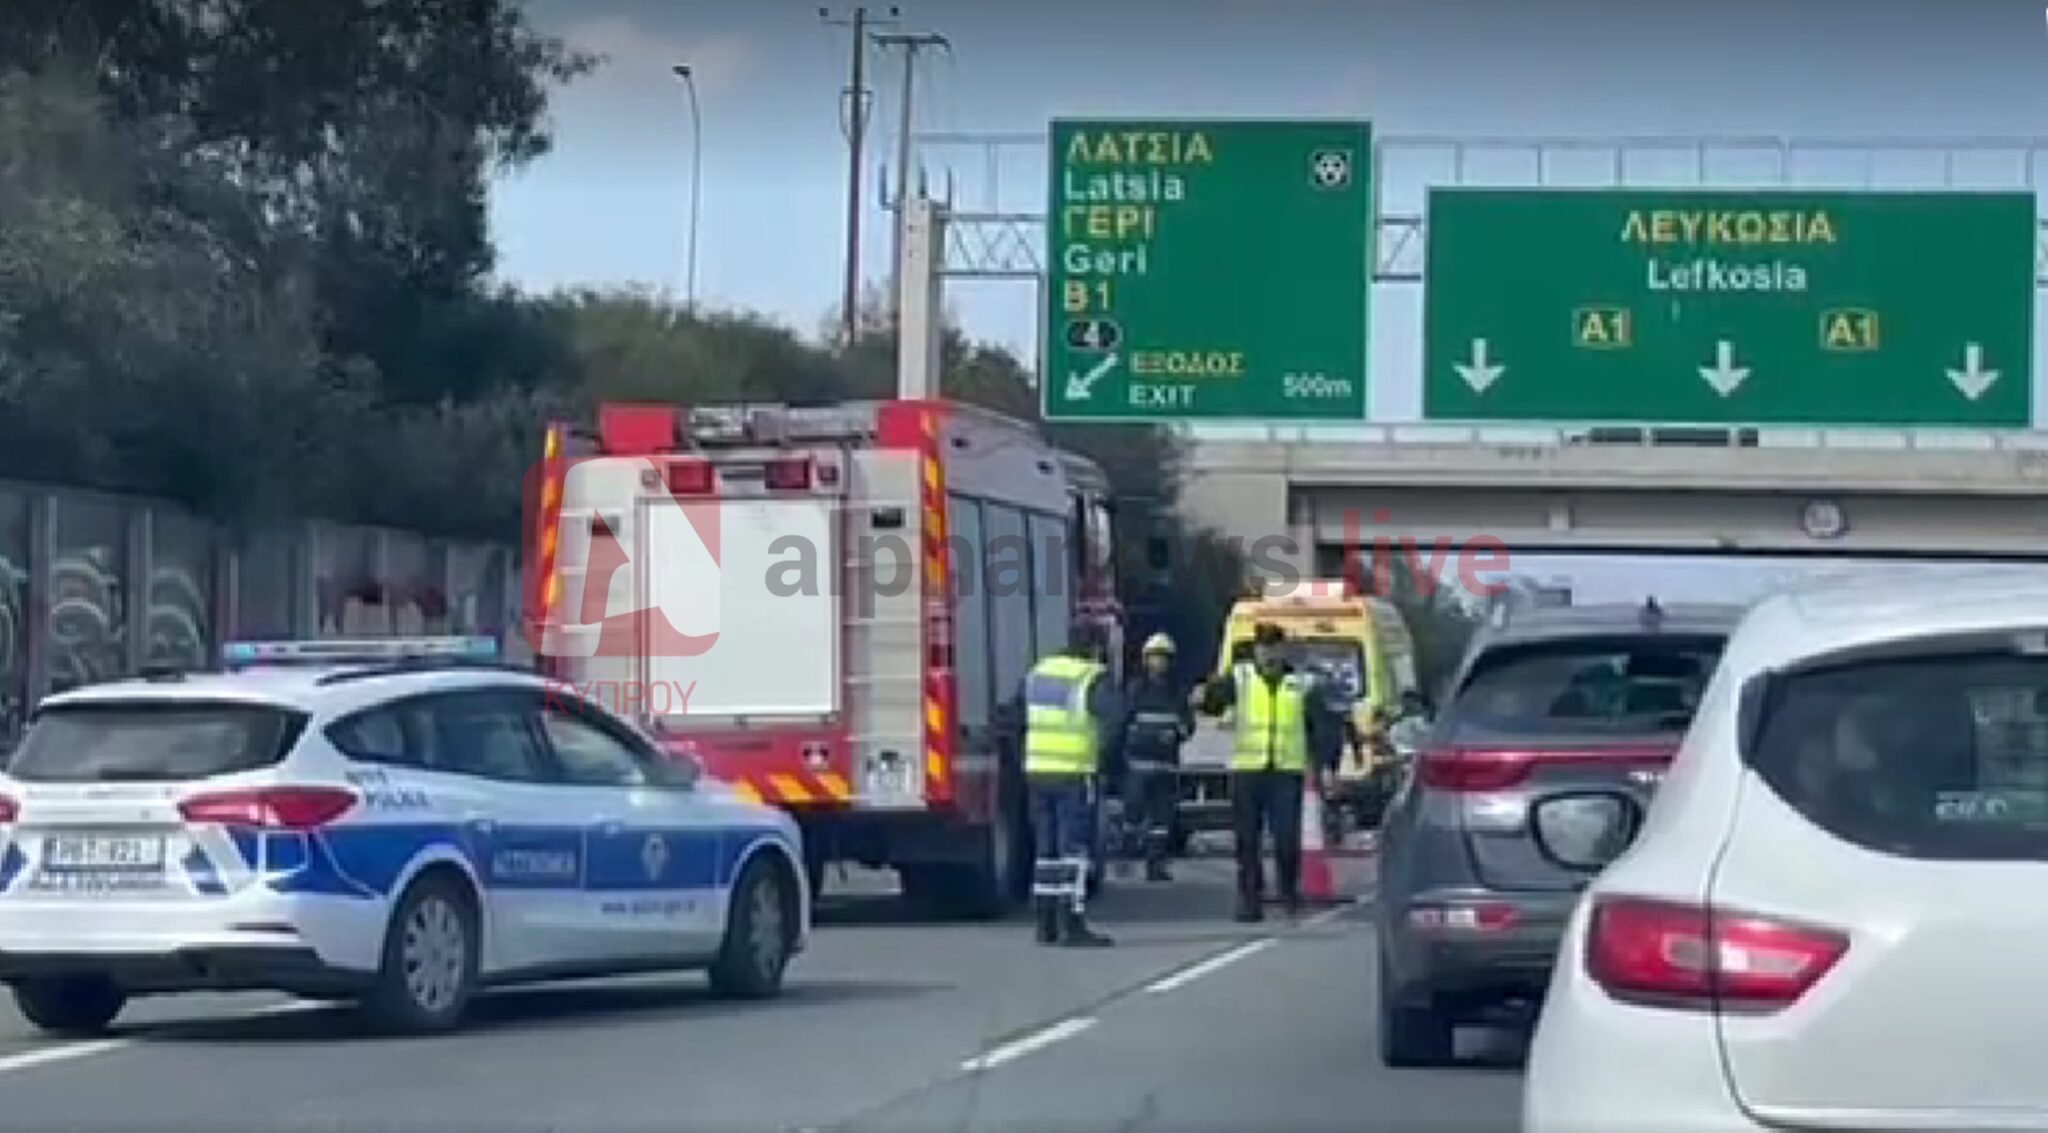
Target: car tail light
point(1476, 770)
point(1689, 956)
point(690, 477)
point(1461, 770)
point(9, 810)
point(273, 808)
point(792, 475)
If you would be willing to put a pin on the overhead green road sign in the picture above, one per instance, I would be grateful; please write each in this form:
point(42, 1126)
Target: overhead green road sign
point(1776, 307)
point(1211, 269)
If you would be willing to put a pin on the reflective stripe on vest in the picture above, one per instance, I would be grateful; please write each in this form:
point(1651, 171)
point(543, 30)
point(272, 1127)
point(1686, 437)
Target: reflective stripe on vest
point(1059, 734)
point(1272, 724)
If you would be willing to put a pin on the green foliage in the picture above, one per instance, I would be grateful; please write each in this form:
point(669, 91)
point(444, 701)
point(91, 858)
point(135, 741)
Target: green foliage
point(244, 264)
point(1439, 615)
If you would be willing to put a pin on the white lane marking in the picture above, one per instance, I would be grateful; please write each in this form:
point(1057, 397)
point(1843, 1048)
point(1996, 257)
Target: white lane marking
point(1037, 1040)
point(1194, 972)
point(66, 1052)
point(1189, 975)
point(43, 1056)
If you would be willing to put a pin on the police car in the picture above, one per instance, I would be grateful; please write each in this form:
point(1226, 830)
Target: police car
point(399, 823)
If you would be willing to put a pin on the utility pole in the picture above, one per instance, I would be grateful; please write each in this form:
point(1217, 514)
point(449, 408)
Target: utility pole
point(856, 130)
point(911, 45)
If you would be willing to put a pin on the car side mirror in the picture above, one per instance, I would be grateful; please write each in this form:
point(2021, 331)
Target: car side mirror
point(1585, 831)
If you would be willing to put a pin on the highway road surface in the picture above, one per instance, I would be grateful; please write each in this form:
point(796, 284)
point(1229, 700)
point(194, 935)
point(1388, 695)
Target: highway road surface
point(1192, 1023)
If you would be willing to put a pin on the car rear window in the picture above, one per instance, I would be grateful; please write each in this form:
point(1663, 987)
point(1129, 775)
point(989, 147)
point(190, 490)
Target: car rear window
point(1931, 757)
point(1580, 685)
point(152, 742)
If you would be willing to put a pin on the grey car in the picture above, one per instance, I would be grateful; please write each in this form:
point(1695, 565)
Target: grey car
point(1546, 701)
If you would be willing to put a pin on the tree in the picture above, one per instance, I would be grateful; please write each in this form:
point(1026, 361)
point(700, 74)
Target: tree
point(361, 134)
point(138, 348)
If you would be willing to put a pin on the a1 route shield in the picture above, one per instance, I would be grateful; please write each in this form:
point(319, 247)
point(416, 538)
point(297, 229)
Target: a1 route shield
point(1730, 307)
point(1208, 270)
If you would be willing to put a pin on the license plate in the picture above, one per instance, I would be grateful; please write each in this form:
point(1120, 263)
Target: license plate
point(104, 854)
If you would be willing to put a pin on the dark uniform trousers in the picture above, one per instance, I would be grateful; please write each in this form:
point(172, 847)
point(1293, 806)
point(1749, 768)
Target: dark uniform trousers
point(1063, 826)
point(1261, 801)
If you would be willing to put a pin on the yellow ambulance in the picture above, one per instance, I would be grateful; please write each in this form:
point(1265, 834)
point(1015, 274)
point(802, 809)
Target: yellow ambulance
point(1360, 645)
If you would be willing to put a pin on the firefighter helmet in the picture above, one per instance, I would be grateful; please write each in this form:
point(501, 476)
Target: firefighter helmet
point(1158, 643)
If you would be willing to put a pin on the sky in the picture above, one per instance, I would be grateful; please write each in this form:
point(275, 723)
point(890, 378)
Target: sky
point(610, 205)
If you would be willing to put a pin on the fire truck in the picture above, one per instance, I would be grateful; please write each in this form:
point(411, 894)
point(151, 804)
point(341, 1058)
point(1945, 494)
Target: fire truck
point(829, 608)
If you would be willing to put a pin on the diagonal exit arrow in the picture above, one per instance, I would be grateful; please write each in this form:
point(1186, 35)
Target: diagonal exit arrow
point(1081, 387)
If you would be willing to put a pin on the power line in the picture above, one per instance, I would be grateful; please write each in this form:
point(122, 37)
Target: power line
point(910, 45)
point(857, 97)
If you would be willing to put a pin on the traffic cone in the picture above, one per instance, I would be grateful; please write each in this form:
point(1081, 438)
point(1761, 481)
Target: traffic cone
point(1318, 881)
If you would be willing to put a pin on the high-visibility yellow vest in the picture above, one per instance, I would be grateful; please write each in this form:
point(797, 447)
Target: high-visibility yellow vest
point(1060, 736)
point(1272, 722)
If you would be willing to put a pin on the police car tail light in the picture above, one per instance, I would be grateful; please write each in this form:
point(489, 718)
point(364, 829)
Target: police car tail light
point(1689, 956)
point(272, 808)
point(9, 810)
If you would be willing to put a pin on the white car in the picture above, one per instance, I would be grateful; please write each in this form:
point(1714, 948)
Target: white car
point(1836, 911)
point(388, 822)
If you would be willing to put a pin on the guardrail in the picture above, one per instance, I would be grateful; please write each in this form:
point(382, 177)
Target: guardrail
point(1611, 436)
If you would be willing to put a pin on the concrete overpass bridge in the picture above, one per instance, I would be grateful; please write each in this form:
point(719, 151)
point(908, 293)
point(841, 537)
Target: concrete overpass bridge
point(1307, 492)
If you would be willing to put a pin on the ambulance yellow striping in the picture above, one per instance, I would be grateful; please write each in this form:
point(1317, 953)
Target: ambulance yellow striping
point(934, 766)
point(931, 475)
point(788, 789)
point(747, 791)
point(934, 717)
point(834, 785)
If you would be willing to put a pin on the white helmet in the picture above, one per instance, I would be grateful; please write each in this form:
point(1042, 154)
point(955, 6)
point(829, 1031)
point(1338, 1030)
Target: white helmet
point(1158, 643)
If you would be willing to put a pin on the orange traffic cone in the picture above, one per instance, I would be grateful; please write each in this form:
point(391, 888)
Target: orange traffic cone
point(1318, 881)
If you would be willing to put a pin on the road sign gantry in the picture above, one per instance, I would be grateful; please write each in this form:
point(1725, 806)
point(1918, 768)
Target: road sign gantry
point(1208, 270)
point(1730, 307)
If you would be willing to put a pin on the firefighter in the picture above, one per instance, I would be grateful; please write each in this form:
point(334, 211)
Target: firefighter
point(1072, 722)
point(1281, 725)
point(1160, 721)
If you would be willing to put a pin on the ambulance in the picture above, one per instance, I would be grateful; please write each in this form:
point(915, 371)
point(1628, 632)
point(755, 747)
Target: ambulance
point(1361, 648)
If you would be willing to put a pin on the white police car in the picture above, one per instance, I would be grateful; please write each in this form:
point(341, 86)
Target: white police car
point(383, 821)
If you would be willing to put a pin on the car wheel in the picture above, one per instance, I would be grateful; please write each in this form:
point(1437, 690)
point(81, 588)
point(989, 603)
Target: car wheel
point(429, 968)
point(71, 1006)
point(758, 931)
point(1412, 1037)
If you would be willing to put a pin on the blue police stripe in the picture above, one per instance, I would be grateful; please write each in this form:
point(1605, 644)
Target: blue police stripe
point(367, 861)
point(203, 874)
point(12, 862)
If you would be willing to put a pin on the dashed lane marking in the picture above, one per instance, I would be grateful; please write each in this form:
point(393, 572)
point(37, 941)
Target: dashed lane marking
point(1037, 1040)
point(71, 1051)
point(1221, 960)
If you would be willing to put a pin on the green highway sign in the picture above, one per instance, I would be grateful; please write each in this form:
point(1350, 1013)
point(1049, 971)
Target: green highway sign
point(1204, 270)
point(1726, 307)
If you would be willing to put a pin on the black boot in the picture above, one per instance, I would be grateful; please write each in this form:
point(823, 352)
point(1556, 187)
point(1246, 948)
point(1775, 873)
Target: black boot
point(1157, 871)
point(1047, 911)
point(1250, 910)
point(1079, 935)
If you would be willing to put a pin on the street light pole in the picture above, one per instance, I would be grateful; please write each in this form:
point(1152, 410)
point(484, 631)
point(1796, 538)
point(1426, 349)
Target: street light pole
point(683, 72)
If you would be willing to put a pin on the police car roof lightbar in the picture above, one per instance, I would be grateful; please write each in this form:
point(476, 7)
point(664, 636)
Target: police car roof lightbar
point(342, 651)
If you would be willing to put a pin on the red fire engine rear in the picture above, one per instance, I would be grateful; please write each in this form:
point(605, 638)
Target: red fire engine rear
point(828, 607)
